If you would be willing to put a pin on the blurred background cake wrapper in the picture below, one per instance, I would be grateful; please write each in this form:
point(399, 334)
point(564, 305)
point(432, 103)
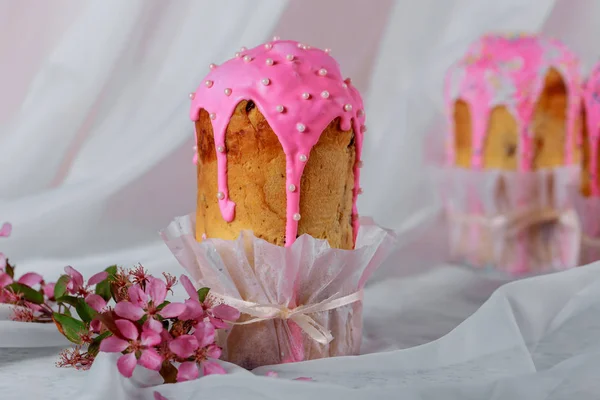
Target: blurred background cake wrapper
point(308, 272)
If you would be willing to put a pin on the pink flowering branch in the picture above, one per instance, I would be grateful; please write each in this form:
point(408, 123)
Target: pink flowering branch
point(122, 311)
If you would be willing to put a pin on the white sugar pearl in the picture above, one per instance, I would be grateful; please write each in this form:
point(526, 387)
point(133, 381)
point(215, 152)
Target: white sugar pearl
point(359, 191)
point(325, 94)
point(292, 187)
point(238, 54)
point(212, 66)
point(297, 217)
point(300, 45)
point(303, 157)
point(269, 61)
point(348, 81)
point(344, 86)
point(328, 51)
point(300, 127)
point(192, 95)
point(268, 46)
point(247, 58)
point(265, 81)
point(195, 148)
point(280, 108)
point(360, 113)
point(209, 84)
point(306, 95)
point(243, 48)
point(289, 57)
point(322, 72)
point(348, 107)
point(227, 92)
point(276, 38)
point(220, 195)
point(363, 129)
point(360, 164)
point(221, 149)
point(212, 115)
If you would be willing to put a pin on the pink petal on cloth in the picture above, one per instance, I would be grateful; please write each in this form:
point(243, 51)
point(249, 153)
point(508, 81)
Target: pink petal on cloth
point(30, 279)
point(157, 290)
point(189, 287)
point(75, 276)
point(172, 310)
point(205, 333)
point(212, 368)
point(95, 301)
point(193, 311)
point(97, 278)
point(153, 325)
point(158, 396)
point(5, 280)
point(225, 312)
point(127, 329)
point(150, 338)
point(213, 351)
point(126, 364)
point(128, 310)
point(184, 345)
point(272, 374)
point(6, 230)
point(188, 371)
point(49, 290)
point(113, 344)
point(150, 359)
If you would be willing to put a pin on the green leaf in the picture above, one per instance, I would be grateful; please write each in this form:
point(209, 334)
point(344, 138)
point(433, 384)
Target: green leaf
point(101, 337)
point(103, 289)
point(60, 288)
point(163, 305)
point(10, 270)
point(70, 300)
point(70, 327)
point(112, 271)
point(202, 293)
point(28, 293)
point(66, 311)
point(93, 349)
point(85, 312)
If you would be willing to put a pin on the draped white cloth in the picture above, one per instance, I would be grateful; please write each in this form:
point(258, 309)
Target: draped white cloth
point(95, 158)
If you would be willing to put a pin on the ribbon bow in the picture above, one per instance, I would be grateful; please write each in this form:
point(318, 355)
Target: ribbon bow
point(266, 312)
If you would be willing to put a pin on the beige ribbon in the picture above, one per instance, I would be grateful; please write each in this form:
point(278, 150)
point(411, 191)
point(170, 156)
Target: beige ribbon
point(266, 312)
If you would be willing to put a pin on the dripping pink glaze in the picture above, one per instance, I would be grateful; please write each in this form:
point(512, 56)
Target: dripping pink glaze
point(288, 80)
point(510, 70)
point(591, 99)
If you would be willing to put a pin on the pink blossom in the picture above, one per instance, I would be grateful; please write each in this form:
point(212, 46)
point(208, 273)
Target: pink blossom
point(29, 279)
point(6, 230)
point(76, 284)
point(96, 302)
point(136, 343)
point(48, 289)
point(200, 347)
point(197, 311)
point(146, 302)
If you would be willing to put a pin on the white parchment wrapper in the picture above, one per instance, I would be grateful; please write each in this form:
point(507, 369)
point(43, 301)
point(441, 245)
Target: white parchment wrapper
point(588, 209)
point(518, 222)
point(305, 273)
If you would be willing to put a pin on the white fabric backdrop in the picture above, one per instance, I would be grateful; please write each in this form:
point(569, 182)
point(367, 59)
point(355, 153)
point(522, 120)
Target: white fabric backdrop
point(96, 157)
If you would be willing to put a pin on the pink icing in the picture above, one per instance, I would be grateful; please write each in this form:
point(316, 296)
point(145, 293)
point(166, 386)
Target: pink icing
point(591, 99)
point(510, 70)
point(275, 75)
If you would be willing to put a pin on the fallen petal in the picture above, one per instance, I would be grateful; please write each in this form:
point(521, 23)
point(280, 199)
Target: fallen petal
point(126, 364)
point(272, 374)
point(127, 329)
point(6, 230)
point(113, 344)
point(158, 396)
point(128, 310)
point(188, 371)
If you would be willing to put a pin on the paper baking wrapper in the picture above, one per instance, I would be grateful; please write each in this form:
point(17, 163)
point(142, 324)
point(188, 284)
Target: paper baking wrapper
point(517, 222)
point(588, 209)
point(307, 273)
